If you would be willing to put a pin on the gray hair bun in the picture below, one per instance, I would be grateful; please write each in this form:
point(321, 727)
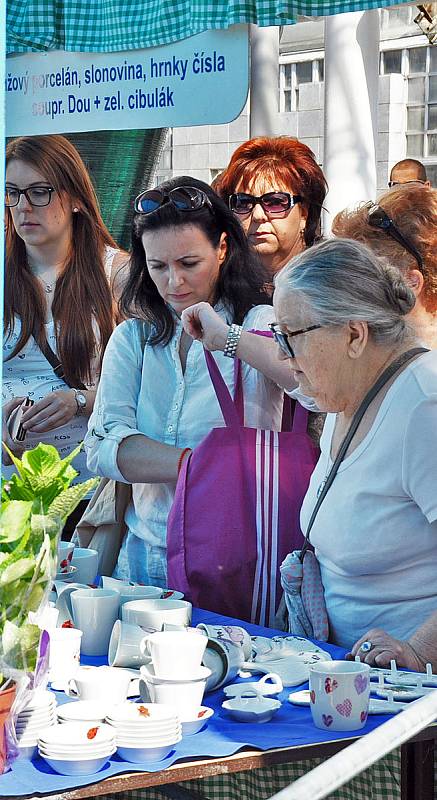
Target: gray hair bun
point(400, 297)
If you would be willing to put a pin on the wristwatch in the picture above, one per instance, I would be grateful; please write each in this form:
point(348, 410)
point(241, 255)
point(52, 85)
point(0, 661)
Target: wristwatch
point(80, 402)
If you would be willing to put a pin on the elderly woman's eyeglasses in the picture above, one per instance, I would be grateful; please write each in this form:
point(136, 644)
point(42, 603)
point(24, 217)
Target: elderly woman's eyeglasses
point(35, 195)
point(184, 198)
point(282, 339)
point(274, 204)
point(378, 218)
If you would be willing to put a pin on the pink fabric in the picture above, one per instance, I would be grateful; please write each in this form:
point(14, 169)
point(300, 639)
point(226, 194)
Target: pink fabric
point(233, 521)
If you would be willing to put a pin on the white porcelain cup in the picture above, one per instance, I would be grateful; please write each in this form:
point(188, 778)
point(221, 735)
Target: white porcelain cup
point(65, 555)
point(64, 655)
point(86, 562)
point(94, 612)
point(233, 633)
point(185, 696)
point(224, 659)
point(152, 614)
point(339, 694)
point(175, 654)
point(105, 685)
point(130, 593)
point(124, 646)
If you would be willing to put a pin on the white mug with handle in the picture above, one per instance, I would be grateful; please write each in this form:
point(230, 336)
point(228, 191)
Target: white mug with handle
point(175, 654)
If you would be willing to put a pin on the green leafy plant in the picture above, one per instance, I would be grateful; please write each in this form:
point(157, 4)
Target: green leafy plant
point(35, 502)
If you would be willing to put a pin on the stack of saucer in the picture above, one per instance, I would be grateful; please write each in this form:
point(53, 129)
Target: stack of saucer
point(76, 748)
point(39, 713)
point(145, 731)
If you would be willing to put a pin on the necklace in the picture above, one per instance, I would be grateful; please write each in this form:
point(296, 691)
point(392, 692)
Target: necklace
point(49, 287)
point(52, 273)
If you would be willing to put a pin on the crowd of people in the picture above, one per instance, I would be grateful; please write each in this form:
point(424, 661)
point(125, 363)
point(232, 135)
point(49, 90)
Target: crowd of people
point(110, 347)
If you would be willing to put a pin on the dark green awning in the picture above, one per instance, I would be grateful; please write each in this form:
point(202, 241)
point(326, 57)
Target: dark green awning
point(112, 25)
point(120, 163)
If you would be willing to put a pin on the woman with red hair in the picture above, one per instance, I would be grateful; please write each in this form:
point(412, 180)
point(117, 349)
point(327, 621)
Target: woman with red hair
point(276, 188)
point(402, 228)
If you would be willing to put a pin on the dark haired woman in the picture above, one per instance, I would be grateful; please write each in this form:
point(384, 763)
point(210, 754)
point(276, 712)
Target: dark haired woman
point(62, 270)
point(276, 188)
point(155, 398)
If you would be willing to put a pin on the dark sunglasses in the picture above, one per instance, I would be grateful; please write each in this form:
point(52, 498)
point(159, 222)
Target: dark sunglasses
point(417, 181)
point(273, 203)
point(378, 218)
point(184, 198)
point(282, 339)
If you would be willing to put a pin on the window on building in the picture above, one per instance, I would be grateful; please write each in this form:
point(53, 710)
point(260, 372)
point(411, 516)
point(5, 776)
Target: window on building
point(391, 62)
point(292, 75)
point(421, 102)
point(419, 67)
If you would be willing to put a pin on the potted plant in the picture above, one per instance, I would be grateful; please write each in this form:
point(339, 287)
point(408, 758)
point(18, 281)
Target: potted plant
point(35, 503)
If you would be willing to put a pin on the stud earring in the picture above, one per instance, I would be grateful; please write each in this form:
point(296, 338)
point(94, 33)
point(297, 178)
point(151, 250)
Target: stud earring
point(75, 210)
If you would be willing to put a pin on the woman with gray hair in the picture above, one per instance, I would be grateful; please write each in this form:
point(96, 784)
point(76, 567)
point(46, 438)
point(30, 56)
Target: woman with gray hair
point(342, 319)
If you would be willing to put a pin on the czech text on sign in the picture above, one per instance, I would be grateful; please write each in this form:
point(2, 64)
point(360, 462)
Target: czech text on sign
point(199, 81)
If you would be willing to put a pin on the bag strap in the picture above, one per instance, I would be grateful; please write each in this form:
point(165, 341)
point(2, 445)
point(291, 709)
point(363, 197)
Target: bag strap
point(58, 368)
point(226, 403)
point(294, 416)
point(358, 416)
point(56, 365)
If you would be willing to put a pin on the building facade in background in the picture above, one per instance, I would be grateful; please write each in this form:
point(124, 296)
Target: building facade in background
point(407, 110)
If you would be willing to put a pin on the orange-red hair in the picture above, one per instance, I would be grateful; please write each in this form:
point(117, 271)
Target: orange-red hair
point(413, 209)
point(283, 160)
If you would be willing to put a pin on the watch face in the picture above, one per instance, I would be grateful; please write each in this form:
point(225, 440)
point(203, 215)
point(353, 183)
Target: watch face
point(81, 399)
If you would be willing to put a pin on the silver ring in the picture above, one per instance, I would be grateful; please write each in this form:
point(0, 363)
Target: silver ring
point(366, 647)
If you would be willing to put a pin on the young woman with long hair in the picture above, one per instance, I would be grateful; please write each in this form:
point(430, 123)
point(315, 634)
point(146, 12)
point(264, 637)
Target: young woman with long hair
point(63, 272)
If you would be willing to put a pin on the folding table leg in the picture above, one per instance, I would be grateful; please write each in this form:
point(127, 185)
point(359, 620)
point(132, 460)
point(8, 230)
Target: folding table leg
point(418, 771)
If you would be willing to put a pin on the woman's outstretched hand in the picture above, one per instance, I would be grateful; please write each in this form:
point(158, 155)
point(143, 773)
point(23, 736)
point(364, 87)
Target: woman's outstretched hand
point(203, 323)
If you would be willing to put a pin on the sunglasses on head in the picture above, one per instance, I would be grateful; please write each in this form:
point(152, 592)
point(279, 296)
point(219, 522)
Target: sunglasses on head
point(378, 218)
point(184, 198)
point(274, 204)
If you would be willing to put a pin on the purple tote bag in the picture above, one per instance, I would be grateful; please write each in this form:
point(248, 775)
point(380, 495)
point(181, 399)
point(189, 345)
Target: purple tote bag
point(235, 514)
